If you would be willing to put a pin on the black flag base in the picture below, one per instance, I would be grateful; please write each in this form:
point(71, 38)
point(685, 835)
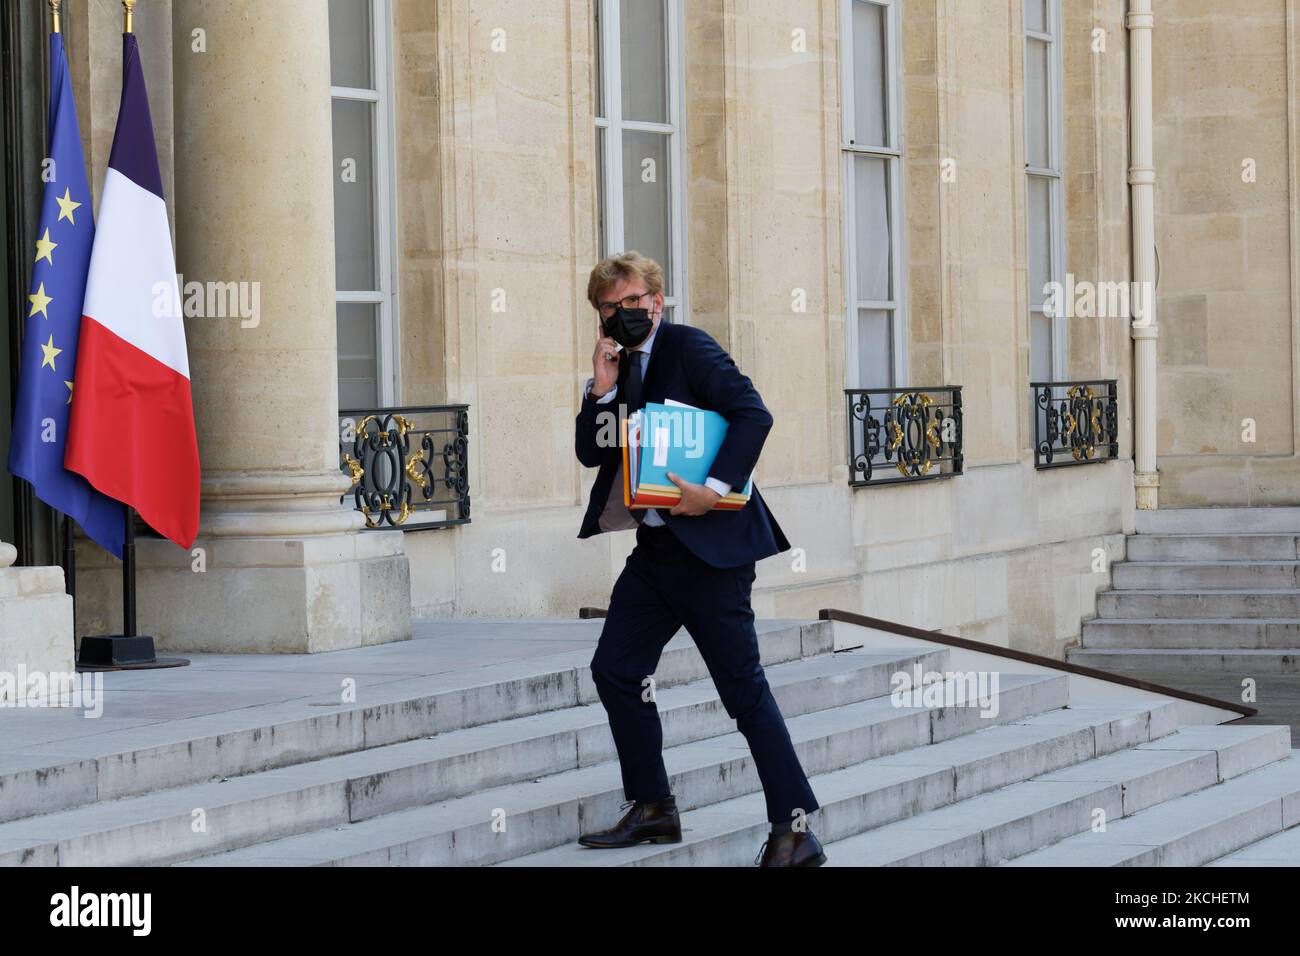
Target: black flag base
point(129, 651)
point(118, 652)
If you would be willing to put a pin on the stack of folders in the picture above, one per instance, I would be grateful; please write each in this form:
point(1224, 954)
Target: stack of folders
point(673, 437)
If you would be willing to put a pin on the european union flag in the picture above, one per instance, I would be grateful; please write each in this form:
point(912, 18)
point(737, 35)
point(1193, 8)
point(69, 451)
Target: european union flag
point(53, 325)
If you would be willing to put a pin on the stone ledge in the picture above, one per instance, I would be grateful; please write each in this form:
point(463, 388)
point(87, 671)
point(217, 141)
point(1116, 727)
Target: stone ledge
point(35, 621)
point(259, 595)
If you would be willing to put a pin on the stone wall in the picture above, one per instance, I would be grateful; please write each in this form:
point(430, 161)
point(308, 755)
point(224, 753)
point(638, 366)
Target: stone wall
point(497, 186)
point(1225, 95)
point(1004, 552)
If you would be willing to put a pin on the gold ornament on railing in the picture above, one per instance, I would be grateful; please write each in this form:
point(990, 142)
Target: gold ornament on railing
point(1084, 450)
point(354, 469)
point(931, 433)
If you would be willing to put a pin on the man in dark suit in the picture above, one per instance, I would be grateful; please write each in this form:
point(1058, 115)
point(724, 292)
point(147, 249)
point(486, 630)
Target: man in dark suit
point(692, 565)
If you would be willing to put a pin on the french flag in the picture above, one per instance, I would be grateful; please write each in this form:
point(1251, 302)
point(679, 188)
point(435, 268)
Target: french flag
point(131, 430)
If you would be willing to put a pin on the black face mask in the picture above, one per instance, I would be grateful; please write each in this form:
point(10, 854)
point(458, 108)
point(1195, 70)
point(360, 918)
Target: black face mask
point(628, 327)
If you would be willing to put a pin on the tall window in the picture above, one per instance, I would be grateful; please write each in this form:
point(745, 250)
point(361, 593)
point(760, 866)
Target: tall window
point(639, 136)
point(1044, 217)
point(872, 148)
point(364, 202)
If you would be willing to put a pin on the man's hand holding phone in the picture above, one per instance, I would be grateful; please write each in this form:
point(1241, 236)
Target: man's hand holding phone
point(604, 364)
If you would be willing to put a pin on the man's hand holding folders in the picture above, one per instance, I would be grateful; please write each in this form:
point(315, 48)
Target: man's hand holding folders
point(696, 499)
point(668, 451)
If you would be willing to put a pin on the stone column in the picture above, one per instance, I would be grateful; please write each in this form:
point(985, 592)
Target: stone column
point(35, 618)
point(283, 566)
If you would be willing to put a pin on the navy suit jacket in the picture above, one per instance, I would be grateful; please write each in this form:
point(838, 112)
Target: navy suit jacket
point(688, 365)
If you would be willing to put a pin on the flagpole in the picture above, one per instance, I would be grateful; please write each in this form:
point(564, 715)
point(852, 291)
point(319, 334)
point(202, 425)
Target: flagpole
point(128, 649)
point(128, 543)
point(70, 562)
point(128, 576)
point(69, 546)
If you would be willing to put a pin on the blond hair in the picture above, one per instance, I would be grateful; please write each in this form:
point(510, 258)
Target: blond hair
point(626, 265)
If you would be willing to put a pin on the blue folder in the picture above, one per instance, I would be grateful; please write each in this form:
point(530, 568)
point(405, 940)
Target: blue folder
point(680, 438)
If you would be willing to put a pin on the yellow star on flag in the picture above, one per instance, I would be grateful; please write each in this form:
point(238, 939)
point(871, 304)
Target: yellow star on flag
point(39, 301)
point(69, 384)
point(44, 248)
point(50, 353)
point(66, 206)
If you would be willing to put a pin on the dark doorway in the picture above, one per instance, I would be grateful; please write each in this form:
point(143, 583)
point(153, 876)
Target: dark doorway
point(24, 76)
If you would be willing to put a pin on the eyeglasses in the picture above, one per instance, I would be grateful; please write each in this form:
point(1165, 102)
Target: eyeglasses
point(606, 309)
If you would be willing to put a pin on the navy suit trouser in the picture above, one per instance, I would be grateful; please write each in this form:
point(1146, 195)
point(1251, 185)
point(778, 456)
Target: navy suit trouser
point(664, 586)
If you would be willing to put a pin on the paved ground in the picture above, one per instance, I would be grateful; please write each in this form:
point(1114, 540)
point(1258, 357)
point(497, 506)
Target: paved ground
point(213, 688)
point(217, 684)
point(1277, 695)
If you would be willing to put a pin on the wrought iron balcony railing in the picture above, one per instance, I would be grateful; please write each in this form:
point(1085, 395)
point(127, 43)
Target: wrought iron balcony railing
point(409, 466)
point(903, 434)
point(1075, 423)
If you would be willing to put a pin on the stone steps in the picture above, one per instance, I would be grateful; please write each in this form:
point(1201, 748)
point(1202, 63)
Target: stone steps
point(1212, 547)
point(1190, 661)
point(1184, 605)
point(1217, 520)
point(1223, 633)
point(1192, 830)
point(1281, 849)
point(1206, 594)
point(378, 780)
point(1021, 818)
point(508, 763)
point(107, 766)
point(1204, 575)
point(877, 792)
point(555, 809)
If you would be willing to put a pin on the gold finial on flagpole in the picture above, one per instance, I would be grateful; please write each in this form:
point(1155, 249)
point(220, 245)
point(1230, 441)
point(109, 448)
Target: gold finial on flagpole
point(54, 9)
point(130, 9)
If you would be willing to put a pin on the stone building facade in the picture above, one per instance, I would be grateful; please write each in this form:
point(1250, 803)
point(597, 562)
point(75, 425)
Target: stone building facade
point(849, 194)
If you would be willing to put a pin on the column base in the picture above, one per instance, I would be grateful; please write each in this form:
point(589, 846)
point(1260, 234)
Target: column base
point(35, 622)
point(1147, 487)
point(255, 595)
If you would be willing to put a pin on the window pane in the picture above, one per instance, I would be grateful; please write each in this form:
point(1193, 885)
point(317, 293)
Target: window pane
point(647, 209)
point(1036, 15)
point(871, 228)
point(1039, 243)
point(875, 348)
point(350, 44)
point(643, 40)
point(358, 344)
point(869, 74)
point(1040, 347)
point(354, 196)
point(1037, 148)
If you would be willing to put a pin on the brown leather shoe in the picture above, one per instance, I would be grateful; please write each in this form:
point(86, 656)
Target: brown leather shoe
point(656, 821)
point(791, 849)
